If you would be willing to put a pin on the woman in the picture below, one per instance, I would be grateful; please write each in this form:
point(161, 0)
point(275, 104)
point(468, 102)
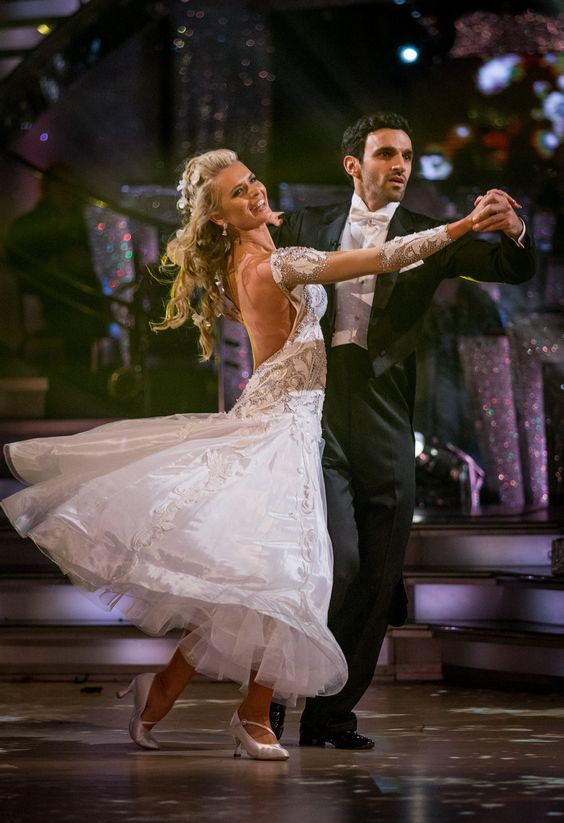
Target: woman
point(217, 526)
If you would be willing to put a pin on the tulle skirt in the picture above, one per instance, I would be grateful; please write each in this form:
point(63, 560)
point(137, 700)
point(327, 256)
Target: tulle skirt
point(211, 524)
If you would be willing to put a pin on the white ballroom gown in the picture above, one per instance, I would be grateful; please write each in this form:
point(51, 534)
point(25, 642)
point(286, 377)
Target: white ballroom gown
point(216, 524)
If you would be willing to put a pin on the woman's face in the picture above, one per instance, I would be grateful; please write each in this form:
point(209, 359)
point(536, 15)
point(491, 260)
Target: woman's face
point(243, 198)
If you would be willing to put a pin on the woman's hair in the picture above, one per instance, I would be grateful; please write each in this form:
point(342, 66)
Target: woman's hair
point(196, 258)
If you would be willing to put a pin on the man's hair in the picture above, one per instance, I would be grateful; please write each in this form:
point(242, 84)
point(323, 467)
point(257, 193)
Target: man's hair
point(354, 138)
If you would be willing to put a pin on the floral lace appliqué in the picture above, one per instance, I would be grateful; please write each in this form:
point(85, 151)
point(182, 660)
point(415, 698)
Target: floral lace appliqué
point(293, 379)
point(408, 249)
point(297, 264)
point(221, 466)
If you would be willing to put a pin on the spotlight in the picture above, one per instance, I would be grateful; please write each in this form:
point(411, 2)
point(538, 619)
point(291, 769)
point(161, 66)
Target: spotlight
point(408, 53)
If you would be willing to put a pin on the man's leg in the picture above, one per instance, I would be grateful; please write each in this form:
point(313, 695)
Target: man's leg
point(370, 508)
point(361, 622)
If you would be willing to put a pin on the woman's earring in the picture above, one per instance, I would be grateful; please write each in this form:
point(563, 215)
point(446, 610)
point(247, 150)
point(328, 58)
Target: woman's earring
point(224, 232)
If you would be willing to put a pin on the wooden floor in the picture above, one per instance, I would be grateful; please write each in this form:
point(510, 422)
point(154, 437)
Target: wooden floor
point(443, 753)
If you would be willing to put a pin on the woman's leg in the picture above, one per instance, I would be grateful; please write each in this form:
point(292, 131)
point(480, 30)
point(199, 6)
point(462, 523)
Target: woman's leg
point(166, 687)
point(256, 707)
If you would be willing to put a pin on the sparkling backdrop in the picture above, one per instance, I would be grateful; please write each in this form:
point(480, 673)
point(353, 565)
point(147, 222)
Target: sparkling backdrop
point(110, 236)
point(535, 342)
point(486, 362)
point(553, 375)
point(235, 359)
point(112, 248)
point(485, 34)
point(223, 80)
point(223, 91)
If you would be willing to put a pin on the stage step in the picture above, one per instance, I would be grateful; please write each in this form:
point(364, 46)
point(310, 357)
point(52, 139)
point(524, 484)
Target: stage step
point(507, 653)
point(33, 652)
point(481, 545)
point(499, 597)
point(484, 600)
point(513, 654)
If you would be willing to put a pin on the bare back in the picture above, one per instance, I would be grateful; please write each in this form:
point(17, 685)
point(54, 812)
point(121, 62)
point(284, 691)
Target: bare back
point(267, 313)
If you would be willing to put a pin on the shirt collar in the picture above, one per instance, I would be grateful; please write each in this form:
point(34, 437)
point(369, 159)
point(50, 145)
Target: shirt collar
point(388, 210)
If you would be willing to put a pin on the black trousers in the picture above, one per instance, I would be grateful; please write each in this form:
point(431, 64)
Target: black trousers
point(369, 469)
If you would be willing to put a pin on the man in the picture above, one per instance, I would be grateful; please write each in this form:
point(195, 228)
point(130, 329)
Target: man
point(371, 329)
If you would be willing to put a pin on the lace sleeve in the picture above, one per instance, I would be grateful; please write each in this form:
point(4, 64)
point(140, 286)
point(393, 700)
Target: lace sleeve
point(297, 264)
point(411, 248)
point(300, 264)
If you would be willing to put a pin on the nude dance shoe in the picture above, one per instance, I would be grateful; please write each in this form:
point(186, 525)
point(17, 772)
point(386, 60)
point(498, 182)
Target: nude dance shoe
point(259, 751)
point(140, 686)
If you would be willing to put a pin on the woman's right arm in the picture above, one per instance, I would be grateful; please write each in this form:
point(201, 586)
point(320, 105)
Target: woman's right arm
point(295, 265)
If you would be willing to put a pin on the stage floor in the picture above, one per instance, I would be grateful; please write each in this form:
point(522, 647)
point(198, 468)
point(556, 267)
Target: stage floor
point(442, 754)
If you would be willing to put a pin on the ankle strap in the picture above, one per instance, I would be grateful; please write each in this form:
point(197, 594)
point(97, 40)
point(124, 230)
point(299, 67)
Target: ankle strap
point(252, 723)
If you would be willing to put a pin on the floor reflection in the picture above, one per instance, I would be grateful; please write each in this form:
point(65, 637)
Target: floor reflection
point(442, 754)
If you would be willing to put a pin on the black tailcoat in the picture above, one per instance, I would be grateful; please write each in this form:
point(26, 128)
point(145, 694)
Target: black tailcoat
point(369, 454)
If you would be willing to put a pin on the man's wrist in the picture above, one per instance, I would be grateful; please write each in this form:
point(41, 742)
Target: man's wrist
point(519, 237)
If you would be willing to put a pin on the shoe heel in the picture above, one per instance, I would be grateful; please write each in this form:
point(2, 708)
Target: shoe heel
point(140, 686)
point(124, 692)
point(259, 751)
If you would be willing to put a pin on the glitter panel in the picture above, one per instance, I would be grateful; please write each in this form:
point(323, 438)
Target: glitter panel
point(112, 248)
point(223, 80)
point(486, 363)
point(485, 34)
point(553, 377)
point(554, 294)
point(110, 237)
point(236, 362)
point(536, 341)
point(223, 88)
point(158, 203)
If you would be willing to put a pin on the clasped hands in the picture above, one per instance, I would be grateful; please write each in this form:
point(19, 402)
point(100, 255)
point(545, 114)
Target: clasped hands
point(495, 211)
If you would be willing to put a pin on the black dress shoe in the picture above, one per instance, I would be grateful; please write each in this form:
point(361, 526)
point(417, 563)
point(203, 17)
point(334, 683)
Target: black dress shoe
point(341, 740)
point(277, 718)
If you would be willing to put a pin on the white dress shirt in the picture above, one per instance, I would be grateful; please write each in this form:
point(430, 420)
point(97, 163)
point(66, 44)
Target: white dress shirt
point(354, 297)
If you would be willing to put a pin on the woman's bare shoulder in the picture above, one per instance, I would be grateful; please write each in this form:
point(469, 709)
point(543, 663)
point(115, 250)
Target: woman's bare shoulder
point(252, 268)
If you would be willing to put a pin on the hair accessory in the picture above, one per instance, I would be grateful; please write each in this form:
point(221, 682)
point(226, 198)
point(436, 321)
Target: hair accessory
point(182, 202)
point(199, 320)
point(187, 199)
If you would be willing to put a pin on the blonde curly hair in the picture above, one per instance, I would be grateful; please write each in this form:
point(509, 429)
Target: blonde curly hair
point(196, 258)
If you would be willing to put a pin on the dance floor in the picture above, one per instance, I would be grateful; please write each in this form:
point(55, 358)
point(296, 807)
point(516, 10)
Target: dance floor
point(443, 753)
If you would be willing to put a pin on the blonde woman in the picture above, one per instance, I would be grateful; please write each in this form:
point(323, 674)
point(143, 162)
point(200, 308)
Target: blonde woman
point(217, 526)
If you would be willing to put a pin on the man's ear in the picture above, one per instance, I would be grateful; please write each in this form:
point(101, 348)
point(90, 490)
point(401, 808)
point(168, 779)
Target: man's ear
point(352, 165)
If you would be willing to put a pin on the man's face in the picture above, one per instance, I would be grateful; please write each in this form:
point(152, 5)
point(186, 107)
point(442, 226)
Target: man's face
point(382, 175)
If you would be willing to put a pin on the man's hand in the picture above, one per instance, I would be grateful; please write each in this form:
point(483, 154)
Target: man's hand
point(496, 212)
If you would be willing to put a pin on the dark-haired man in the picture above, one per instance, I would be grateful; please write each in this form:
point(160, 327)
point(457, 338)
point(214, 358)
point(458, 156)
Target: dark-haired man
point(371, 328)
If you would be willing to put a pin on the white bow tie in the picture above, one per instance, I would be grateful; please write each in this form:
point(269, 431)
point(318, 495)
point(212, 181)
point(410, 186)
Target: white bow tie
point(369, 219)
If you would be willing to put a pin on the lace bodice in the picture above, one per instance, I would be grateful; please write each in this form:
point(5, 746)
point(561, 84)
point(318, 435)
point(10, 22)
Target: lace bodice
point(293, 378)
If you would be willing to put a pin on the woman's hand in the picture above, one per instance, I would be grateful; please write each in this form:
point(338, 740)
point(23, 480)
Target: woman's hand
point(495, 211)
point(275, 218)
